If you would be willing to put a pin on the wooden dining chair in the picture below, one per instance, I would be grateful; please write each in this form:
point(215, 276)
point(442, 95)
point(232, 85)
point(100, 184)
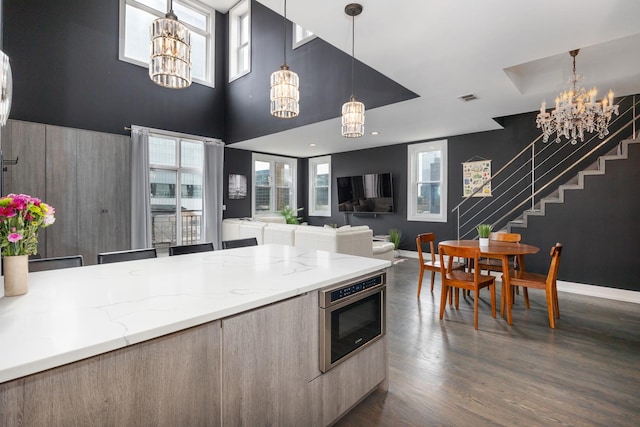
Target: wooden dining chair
point(539, 281)
point(190, 249)
point(428, 260)
point(460, 279)
point(490, 264)
point(129, 255)
point(239, 243)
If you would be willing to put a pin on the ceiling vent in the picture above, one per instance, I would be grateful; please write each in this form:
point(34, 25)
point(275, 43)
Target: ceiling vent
point(469, 97)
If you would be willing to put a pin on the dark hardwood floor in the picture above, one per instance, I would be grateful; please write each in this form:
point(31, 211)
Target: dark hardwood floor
point(586, 372)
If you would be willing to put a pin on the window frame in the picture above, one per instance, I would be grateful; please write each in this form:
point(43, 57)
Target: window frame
point(313, 163)
point(179, 170)
point(413, 151)
point(209, 35)
point(235, 17)
point(272, 159)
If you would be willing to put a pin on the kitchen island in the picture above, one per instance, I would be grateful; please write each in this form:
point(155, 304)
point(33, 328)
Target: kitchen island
point(215, 338)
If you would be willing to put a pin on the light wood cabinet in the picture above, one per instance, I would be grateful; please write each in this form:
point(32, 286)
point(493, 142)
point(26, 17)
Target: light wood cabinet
point(270, 356)
point(271, 372)
point(104, 197)
point(169, 381)
point(258, 368)
point(84, 175)
point(25, 141)
point(62, 181)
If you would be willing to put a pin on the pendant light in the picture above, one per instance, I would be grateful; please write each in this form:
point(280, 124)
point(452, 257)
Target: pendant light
point(170, 62)
point(353, 111)
point(285, 96)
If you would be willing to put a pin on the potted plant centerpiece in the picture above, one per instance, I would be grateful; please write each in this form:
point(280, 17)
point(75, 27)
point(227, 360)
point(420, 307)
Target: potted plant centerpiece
point(483, 233)
point(21, 217)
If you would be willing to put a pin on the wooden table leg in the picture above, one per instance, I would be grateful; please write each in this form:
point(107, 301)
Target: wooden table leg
point(507, 289)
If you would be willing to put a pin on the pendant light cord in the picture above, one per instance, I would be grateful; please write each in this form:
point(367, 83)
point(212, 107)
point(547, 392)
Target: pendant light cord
point(353, 48)
point(284, 26)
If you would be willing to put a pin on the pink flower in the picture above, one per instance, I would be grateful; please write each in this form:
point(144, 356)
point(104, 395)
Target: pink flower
point(14, 237)
point(7, 212)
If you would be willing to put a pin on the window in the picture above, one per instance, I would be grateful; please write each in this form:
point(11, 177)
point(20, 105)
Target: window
point(136, 17)
point(427, 185)
point(175, 175)
point(301, 35)
point(240, 40)
point(274, 184)
point(320, 186)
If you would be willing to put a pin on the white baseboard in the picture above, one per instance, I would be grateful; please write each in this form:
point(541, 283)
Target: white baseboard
point(577, 288)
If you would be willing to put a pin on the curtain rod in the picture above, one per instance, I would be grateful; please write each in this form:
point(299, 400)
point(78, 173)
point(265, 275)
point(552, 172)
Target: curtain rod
point(176, 134)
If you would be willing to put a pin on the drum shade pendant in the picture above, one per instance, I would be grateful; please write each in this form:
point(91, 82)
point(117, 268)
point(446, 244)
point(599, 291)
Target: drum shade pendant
point(577, 112)
point(285, 95)
point(353, 111)
point(170, 63)
point(6, 88)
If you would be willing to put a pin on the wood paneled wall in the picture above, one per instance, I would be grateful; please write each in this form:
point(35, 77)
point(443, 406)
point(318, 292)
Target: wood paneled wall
point(84, 175)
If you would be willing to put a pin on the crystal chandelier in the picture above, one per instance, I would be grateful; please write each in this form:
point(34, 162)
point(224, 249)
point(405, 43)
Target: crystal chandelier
point(170, 64)
point(576, 112)
point(6, 88)
point(353, 111)
point(285, 96)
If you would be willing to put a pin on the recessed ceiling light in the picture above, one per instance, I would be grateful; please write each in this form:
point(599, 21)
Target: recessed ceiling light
point(312, 145)
point(375, 133)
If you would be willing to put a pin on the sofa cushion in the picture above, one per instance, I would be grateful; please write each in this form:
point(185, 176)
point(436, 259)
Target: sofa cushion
point(252, 229)
point(282, 234)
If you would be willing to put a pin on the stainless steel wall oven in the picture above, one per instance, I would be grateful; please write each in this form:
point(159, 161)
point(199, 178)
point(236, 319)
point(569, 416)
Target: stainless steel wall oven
point(352, 316)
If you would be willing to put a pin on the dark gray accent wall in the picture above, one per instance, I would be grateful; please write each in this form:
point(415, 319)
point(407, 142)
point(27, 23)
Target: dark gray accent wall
point(325, 81)
point(598, 226)
point(64, 56)
point(239, 162)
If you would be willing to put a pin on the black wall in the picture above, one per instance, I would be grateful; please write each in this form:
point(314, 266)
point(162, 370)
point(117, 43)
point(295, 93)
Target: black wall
point(66, 72)
point(499, 146)
point(598, 226)
point(64, 57)
point(325, 81)
point(239, 162)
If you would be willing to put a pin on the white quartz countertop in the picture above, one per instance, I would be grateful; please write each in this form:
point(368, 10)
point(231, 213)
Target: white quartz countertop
point(72, 314)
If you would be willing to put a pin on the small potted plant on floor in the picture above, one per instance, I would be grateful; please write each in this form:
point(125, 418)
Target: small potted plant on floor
point(483, 233)
point(395, 237)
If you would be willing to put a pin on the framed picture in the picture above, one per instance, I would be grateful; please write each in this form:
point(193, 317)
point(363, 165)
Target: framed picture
point(474, 176)
point(237, 186)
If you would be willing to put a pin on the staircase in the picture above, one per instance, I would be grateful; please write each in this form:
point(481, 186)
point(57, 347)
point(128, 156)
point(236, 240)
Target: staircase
point(541, 174)
point(620, 152)
point(534, 195)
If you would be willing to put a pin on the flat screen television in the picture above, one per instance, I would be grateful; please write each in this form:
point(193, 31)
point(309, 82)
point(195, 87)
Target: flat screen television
point(371, 193)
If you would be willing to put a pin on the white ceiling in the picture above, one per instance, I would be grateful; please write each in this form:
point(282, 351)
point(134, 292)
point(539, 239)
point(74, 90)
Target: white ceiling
point(510, 54)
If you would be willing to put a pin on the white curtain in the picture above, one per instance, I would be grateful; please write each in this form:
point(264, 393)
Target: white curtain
point(140, 189)
point(212, 183)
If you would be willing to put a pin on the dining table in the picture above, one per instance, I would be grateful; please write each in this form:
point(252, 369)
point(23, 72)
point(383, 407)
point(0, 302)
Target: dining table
point(501, 251)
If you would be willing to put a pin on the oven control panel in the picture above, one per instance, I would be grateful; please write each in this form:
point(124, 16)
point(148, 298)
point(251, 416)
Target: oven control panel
point(345, 290)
